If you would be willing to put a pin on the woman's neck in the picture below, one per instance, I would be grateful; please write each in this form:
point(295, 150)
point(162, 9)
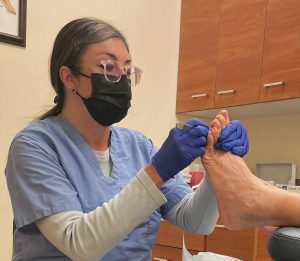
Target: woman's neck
point(96, 135)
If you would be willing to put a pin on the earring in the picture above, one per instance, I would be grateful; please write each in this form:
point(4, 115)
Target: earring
point(73, 90)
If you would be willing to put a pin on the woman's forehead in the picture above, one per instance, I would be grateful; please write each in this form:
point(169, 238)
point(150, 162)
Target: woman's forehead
point(114, 48)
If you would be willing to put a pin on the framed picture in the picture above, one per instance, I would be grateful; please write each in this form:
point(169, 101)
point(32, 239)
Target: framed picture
point(13, 22)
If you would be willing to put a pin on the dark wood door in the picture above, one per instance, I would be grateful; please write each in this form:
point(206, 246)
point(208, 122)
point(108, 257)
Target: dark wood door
point(199, 34)
point(281, 60)
point(240, 52)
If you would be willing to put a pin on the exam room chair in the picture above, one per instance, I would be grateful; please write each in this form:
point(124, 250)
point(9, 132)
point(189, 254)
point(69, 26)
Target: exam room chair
point(284, 244)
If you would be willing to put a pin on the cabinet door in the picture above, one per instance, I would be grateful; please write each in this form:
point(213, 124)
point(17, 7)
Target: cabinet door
point(165, 253)
point(170, 235)
point(199, 33)
point(262, 247)
point(240, 52)
point(238, 244)
point(281, 60)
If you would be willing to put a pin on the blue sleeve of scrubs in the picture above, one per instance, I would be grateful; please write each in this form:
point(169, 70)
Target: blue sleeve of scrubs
point(174, 189)
point(37, 183)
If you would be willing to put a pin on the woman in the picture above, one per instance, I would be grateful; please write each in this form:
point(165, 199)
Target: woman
point(84, 190)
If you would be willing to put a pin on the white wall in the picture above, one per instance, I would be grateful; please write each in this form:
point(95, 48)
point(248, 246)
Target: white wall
point(152, 28)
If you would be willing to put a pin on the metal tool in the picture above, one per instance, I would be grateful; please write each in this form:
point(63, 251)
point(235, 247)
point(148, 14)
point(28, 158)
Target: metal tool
point(183, 126)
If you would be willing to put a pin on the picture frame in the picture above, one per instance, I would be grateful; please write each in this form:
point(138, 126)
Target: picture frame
point(13, 22)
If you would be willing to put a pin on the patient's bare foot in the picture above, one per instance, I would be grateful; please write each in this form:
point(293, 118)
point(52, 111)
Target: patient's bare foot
point(220, 122)
point(241, 196)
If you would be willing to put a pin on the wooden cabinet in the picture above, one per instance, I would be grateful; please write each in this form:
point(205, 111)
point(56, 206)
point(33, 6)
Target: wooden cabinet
point(241, 38)
point(198, 55)
point(235, 52)
point(247, 244)
point(168, 245)
point(281, 51)
point(166, 253)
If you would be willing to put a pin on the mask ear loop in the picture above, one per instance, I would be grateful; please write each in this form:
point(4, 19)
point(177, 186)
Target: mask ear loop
point(77, 93)
point(74, 89)
point(56, 99)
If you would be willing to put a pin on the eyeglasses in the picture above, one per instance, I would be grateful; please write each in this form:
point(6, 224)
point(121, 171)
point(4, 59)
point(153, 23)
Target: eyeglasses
point(113, 72)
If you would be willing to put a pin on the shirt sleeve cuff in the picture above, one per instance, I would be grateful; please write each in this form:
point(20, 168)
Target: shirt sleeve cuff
point(157, 196)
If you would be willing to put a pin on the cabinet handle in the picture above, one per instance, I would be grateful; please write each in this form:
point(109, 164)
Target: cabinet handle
point(159, 259)
point(267, 85)
point(226, 92)
point(221, 226)
point(199, 95)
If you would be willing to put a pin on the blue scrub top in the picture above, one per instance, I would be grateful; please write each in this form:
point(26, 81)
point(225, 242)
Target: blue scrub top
point(51, 169)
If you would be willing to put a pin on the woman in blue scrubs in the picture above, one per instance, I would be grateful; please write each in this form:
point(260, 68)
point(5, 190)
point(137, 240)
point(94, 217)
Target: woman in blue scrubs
point(83, 189)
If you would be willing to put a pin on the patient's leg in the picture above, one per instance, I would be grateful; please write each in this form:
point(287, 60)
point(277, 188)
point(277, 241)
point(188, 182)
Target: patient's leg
point(243, 199)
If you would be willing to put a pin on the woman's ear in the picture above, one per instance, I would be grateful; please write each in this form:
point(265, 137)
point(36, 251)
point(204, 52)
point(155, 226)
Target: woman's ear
point(67, 77)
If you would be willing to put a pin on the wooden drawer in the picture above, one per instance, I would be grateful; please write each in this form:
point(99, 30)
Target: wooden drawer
point(261, 251)
point(170, 235)
point(246, 244)
point(165, 253)
point(238, 244)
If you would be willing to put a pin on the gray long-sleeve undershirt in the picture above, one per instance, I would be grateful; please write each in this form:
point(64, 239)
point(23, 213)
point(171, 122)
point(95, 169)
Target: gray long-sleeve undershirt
point(88, 236)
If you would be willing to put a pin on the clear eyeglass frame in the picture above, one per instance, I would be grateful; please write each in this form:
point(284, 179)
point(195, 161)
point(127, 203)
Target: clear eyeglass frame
point(113, 72)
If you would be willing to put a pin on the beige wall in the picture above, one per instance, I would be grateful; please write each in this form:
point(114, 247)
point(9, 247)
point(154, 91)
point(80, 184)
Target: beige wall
point(274, 139)
point(152, 28)
point(271, 139)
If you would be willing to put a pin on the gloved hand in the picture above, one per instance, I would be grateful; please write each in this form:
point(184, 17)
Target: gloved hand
point(180, 149)
point(233, 138)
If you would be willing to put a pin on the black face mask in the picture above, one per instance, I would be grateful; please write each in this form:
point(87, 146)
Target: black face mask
point(109, 101)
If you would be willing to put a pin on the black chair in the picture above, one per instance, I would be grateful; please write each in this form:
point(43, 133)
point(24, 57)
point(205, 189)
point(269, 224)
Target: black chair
point(284, 244)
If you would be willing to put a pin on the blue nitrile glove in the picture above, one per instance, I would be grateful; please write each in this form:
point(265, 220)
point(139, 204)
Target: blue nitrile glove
point(180, 149)
point(234, 138)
